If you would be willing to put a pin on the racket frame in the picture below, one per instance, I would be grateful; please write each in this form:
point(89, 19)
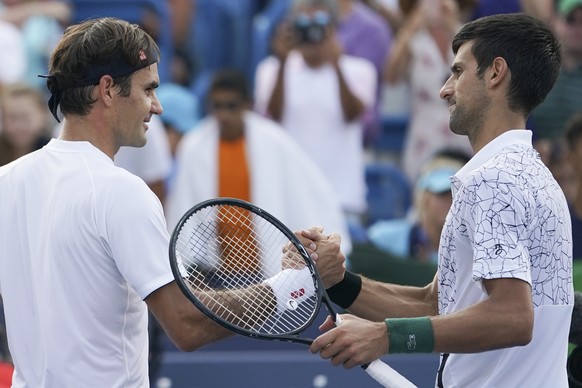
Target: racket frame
point(320, 294)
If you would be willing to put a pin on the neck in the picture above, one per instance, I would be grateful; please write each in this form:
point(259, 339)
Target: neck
point(81, 128)
point(492, 128)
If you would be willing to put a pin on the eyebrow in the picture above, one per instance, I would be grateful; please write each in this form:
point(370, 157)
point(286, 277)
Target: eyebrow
point(152, 85)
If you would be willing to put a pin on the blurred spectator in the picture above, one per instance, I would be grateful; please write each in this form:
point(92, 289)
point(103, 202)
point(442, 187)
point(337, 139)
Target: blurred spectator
point(363, 33)
point(417, 236)
point(181, 111)
point(237, 153)
point(24, 122)
point(565, 98)
point(41, 23)
point(319, 95)
point(152, 162)
point(12, 66)
point(421, 56)
point(389, 10)
point(573, 134)
point(542, 9)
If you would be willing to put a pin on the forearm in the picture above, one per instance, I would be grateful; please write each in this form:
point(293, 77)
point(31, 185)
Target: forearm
point(504, 319)
point(378, 301)
point(352, 106)
point(480, 328)
point(399, 60)
point(275, 105)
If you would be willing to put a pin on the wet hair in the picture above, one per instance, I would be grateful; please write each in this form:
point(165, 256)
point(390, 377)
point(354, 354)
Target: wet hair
point(529, 47)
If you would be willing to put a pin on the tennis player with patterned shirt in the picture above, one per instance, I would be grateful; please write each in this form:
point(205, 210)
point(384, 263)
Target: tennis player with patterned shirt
point(499, 307)
point(84, 243)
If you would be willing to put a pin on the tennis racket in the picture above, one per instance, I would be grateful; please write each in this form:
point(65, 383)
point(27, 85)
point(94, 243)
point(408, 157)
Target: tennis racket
point(249, 273)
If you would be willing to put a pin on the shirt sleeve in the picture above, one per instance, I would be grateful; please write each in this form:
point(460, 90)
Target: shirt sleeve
point(137, 236)
point(495, 213)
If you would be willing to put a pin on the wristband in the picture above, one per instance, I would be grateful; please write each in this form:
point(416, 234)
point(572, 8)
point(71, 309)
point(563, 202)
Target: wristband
point(410, 335)
point(291, 287)
point(345, 292)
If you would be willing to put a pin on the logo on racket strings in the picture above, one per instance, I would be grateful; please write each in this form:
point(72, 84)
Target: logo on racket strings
point(292, 304)
point(298, 294)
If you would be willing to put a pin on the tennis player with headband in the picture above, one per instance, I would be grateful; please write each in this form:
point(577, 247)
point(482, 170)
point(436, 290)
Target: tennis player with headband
point(499, 307)
point(85, 243)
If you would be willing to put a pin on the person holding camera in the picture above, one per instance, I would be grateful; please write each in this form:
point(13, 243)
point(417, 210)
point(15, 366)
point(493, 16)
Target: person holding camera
point(320, 96)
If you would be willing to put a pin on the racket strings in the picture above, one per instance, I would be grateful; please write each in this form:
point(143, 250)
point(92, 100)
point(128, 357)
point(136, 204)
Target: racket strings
point(235, 292)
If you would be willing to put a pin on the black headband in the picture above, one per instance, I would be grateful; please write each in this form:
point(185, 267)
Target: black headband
point(116, 67)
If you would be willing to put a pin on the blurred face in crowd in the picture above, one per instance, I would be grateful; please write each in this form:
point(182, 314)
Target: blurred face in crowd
point(24, 120)
point(313, 29)
point(228, 107)
point(569, 31)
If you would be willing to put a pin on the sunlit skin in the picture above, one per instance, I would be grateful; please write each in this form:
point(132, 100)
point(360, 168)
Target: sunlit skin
point(120, 121)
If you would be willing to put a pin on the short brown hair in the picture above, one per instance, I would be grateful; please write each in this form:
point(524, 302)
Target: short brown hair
point(95, 42)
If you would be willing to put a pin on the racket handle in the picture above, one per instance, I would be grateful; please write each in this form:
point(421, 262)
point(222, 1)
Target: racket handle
point(382, 372)
point(386, 376)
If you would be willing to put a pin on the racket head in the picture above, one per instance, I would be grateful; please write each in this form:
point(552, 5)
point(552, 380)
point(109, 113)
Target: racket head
point(199, 246)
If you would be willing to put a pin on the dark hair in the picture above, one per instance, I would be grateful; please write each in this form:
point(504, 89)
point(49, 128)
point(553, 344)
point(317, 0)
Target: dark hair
point(529, 47)
point(96, 42)
point(573, 129)
point(230, 79)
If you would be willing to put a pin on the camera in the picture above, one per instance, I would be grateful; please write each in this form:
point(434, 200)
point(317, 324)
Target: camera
point(311, 29)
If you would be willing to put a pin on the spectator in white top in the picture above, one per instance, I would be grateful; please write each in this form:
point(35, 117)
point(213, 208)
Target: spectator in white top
point(320, 95)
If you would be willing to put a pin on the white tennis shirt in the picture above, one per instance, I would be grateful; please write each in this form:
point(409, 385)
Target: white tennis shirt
point(82, 243)
point(509, 219)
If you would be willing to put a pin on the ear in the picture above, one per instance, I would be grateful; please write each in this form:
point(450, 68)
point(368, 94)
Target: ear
point(498, 72)
point(106, 90)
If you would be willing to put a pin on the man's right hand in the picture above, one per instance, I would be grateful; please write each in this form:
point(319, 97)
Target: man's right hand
point(329, 259)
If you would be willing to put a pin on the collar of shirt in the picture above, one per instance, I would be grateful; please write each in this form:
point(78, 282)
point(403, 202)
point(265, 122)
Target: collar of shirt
point(76, 146)
point(494, 147)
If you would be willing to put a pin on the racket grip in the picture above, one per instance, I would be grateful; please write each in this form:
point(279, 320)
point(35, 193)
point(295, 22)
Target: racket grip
point(386, 376)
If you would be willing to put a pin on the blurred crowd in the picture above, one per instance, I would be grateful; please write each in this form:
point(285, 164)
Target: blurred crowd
point(295, 124)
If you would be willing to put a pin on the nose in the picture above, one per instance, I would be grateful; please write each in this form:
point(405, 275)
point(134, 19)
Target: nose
point(156, 105)
point(447, 89)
